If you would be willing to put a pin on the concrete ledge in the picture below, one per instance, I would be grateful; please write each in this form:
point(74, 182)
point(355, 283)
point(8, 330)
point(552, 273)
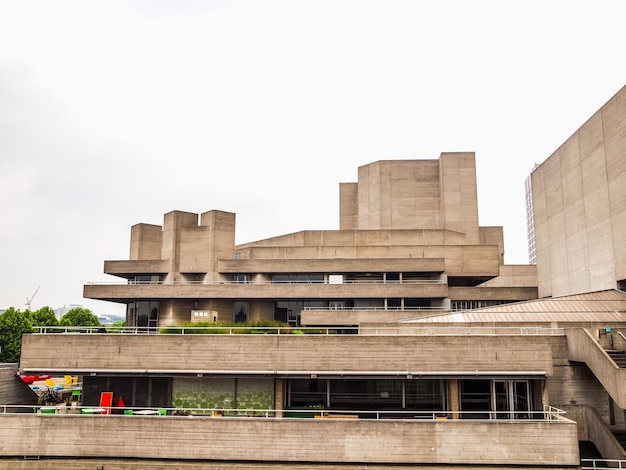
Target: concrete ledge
point(530, 443)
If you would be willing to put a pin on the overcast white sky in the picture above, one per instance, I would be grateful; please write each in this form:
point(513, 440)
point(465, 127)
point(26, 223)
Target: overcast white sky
point(113, 113)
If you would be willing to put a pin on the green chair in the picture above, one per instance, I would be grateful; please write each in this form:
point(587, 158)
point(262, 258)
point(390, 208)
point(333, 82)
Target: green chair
point(128, 412)
point(162, 412)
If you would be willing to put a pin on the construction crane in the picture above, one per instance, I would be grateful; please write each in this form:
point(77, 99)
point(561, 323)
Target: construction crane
point(28, 301)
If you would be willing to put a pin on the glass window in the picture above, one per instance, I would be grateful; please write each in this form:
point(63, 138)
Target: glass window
point(307, 392)
point(240, 312)
point(367, 394)
point(143, 313)
point(475, 396)
point(425, 394)
point(241, 278)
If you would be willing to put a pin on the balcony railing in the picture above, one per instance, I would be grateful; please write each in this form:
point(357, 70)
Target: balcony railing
point(602, 464)
point(218, 283)
point(403, 330)
point(549, 413)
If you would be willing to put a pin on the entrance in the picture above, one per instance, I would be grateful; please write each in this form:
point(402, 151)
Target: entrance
point(496, 399)
point(511, 399)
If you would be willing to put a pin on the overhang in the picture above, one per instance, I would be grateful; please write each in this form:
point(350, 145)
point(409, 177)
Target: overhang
point(306, 374)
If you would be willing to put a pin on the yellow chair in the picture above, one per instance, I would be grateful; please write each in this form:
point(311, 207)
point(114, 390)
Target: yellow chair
point(50, 383)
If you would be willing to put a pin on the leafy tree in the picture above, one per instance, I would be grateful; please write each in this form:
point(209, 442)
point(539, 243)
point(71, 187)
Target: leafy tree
point(79, 317)
point(13, 324)
point(45, 316)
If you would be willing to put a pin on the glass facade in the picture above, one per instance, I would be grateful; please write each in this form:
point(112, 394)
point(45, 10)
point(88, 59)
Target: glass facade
point(367, 394)
point(143, 313)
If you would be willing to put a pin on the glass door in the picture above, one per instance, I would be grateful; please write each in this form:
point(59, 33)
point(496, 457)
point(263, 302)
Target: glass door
point(502, 406)
point(511, 399)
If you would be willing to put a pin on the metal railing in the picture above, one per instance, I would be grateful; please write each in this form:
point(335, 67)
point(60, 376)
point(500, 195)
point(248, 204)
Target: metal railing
point(380, 309)
point(549, 413)
point(265, 283)
point(188, 330)
point(304, 331)
point(601, 464)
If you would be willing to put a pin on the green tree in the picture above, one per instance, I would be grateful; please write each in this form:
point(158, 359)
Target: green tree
point(79, 317)
point(13, 324)
point(45, 316)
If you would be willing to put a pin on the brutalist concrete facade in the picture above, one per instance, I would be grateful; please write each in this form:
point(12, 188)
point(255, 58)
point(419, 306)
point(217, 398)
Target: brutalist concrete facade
point(579, 205)
point(409, 240)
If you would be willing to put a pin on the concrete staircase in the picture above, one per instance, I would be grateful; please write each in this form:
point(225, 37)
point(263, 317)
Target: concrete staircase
point(619, 357)
point(621, 438)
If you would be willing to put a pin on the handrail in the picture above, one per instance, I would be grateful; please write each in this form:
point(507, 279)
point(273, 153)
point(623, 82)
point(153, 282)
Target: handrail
point(380, 309)
point(601, 464)
point(405, 330)
point(264, 283)
point(549, 413)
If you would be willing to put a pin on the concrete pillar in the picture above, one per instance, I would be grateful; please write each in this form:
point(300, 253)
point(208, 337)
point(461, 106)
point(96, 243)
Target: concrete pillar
point(455, 399)
point(279, 394)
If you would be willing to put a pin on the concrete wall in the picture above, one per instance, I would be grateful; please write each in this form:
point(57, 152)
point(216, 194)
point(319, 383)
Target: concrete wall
point(348, 206)
point(579, 203)
point(435, 265)
point(468, 260)
point(582, 347)
point(155, 464)
point(337, 238)
point(186, 246)
point(409, 194)
point(275, 354)
point(524, 275)
point(492, 293)
point(145, 242)
point(13, 390)
point(321, 440)
point(262, 291)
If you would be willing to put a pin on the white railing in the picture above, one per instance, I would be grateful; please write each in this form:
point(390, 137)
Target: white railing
point(553, 415)
point(188, 330)
point(602, 464)
point(380, 309)
point(405, 330)
point(263, 283)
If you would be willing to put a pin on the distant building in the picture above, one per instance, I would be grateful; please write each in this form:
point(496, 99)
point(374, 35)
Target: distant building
point(60, 311)
point(530, 223)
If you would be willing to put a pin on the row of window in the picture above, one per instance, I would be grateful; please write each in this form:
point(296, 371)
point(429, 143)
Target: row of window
point(478, 398)
point(146, 313)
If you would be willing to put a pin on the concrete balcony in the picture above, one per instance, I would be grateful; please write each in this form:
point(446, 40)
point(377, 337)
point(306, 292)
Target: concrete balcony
point(532, 444)
point(266, 290)
point(137, 267)
point(330, 317)
point(465, 354)
point(343, 265)
point(492, 293)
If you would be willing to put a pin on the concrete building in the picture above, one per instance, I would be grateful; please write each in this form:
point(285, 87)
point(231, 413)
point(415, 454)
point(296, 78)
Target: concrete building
point(422, 348)
point(409, 241)
point(579, 205)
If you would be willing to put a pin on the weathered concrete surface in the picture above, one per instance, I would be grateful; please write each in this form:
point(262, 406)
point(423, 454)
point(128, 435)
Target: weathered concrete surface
point(116, 464)
point(284, 440)
point(276, 354)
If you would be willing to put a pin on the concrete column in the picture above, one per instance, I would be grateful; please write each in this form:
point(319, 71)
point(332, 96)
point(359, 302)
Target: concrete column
point(279, 394)
point(455, 399)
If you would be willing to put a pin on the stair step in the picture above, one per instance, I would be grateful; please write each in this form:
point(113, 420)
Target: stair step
point(618, 357)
